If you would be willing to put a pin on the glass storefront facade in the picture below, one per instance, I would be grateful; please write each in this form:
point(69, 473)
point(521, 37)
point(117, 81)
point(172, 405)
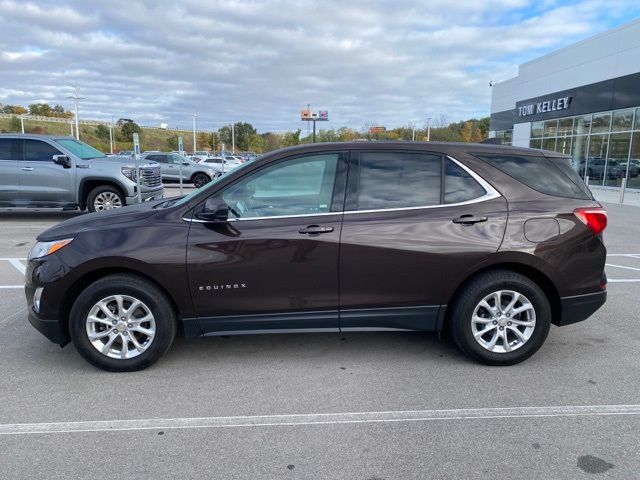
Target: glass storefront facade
point(604, 146)
point(505, 136)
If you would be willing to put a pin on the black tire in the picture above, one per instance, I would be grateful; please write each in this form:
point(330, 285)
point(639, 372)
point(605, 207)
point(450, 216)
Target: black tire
point(98, 192)
point(465, 302)
point(139, 288)
point(200, 180)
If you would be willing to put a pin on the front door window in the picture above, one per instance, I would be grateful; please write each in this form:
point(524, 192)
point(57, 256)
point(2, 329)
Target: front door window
point(300, 186)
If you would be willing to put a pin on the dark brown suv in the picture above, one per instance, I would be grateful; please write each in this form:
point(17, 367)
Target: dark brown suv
point(492, 244)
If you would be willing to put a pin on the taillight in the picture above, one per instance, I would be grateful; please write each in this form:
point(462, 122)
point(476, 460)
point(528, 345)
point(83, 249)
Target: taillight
point(594, 218)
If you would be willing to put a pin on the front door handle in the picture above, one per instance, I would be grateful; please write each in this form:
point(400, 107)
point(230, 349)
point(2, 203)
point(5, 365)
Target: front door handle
point(26, 169)
point(469, 219)
point(315, 229)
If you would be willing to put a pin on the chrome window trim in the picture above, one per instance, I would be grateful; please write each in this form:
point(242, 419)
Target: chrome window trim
point(490, 194)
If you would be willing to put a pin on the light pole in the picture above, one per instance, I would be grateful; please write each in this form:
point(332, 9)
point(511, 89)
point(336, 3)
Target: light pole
point(111, 136)
point(22, 122)
point(429, 130)
point(76, 98)
point(194, 131)
point(233, 138)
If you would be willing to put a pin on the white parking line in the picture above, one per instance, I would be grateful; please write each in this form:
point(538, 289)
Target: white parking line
point(318, 419)
point(10, 287)
point(622, 266)
point(16, 263)
point(623, 280)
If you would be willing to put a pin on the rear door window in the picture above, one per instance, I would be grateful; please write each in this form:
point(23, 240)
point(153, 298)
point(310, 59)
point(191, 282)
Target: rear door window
point(10, 149)
point(459, 185)
point(536, 172)
point(390, 180)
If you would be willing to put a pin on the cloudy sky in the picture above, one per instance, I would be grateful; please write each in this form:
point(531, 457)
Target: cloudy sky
point(389, 62)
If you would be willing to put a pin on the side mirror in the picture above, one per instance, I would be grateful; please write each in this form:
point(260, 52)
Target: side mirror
point(186, 164)
point(215, 210)
point(62, 160)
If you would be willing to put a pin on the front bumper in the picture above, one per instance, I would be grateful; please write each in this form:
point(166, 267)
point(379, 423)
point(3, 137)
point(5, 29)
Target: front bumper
point(49, 328)
point(579, 308)
point(146, 196)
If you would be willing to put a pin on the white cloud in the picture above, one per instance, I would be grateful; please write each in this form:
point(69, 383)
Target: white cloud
point(390, 61)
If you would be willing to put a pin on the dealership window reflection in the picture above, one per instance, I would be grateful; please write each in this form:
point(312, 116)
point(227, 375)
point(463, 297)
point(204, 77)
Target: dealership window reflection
point(604, 146)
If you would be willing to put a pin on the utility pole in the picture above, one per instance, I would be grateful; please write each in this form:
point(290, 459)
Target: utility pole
point(76, 98)
point(233, 138)
point(413, 133)
point(71, 123)
point(194, 131)
point(111, 136)
point(429, 130)
point(308, 109)
point(22, 122)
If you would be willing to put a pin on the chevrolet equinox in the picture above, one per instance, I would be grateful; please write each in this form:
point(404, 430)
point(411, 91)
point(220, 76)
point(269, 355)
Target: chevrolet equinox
point(491, 244)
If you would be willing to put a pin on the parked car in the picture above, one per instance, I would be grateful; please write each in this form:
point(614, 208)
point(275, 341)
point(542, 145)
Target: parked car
point(634, 168)
point(173, 165)
point(200, 155)
point(126, 153)
point(220, 164)
point(491, 244)
point(50, 171)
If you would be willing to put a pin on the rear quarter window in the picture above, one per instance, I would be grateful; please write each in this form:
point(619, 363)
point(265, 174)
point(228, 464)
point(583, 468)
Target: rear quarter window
point(538, 173)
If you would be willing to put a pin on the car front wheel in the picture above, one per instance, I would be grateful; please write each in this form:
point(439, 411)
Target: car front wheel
point(105, 197)
point(200, 180)
point(122, 323)
point(500, 318)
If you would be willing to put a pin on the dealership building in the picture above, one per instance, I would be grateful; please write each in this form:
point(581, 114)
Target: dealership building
point(582, 100)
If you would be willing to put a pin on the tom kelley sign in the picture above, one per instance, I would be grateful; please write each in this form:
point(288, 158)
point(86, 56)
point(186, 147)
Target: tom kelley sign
point(554, 105)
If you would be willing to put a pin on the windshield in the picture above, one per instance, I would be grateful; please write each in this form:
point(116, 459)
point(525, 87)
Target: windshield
point(80, 149)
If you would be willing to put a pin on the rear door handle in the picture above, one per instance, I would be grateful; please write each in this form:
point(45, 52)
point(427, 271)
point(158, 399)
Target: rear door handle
point(315, 229)
point(26, 169)
point(469, 219)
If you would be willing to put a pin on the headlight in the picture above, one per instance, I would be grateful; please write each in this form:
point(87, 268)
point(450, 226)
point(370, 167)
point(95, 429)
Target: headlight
point(42, 249)
point(130, 173)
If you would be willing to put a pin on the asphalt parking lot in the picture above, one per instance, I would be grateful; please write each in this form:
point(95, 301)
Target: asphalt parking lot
point(324, 406)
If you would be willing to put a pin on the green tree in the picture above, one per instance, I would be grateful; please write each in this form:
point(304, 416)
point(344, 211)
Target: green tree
point(291, 138)
point(102, 132)
point(15, 125)
point(243, 133)
point(42, 109)
point(172, 142)
point(127, 128)
point(16, 109)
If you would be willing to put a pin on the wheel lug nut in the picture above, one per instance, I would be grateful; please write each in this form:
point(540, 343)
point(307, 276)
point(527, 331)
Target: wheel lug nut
point(129, 325)
point(495, 322)
point(501, 328)
point(509, 323)
point(508, 315)
point(123, 318)
point(124, 333)
point(115, 330)
point(114, 322)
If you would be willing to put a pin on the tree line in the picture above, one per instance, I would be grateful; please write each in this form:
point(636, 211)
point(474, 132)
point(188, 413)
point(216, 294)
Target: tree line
point(247, 138)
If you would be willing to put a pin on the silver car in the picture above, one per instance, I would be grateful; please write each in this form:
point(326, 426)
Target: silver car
point(173, 166)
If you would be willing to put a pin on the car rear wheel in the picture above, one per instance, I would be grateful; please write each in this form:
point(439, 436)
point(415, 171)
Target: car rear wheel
point(105, 197)
point(500, 318)
point(122, 323)
point(200, 180)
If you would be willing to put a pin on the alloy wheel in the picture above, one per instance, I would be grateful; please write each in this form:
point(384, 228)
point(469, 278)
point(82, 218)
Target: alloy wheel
point(120, 326)
point(107, 201)
point(503, 321)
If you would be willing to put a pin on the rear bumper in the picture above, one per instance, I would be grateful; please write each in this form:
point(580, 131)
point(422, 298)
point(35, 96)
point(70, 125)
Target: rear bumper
point(579, 308)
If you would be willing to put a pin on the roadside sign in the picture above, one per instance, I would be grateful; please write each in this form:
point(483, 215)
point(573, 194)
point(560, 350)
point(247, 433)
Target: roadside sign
point(136, 152)
point(181, 150)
